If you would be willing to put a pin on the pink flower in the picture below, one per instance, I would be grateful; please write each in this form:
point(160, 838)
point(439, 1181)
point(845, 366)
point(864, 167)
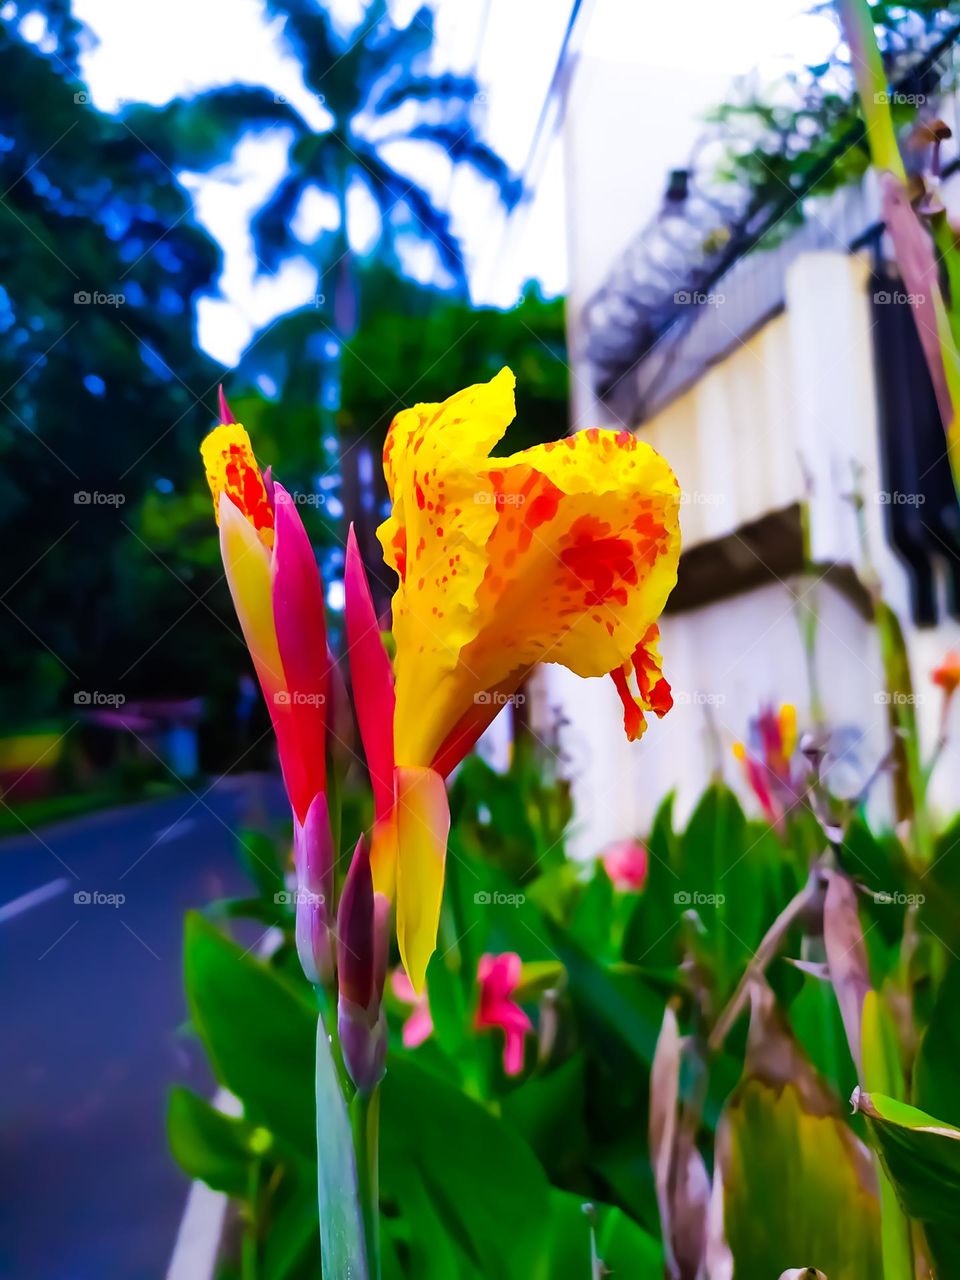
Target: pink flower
point(419, 1025)
point(499, 977)
point(626, 863)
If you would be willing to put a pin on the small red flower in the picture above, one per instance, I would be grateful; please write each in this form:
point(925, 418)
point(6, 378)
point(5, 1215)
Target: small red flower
point(626, 863)
point(947, 675)
point(499, 977)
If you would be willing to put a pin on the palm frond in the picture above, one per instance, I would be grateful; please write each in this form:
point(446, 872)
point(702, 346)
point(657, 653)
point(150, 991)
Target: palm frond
point(463, 146)
point(388, 46)
point(270, 227)
point(392, 190)
point(308, 31)
point(406, 88)
point(200, 132)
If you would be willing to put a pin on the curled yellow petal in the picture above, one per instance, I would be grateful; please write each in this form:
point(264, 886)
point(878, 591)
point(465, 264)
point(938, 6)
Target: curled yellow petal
point(232, 469)
point(246, 562)
point(423, 823)
point(563, 553)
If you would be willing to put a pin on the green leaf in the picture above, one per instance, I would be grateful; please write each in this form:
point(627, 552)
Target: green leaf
point(480, 1179)
point(342, 1244)
point(549, 1112)
point(793, 1190)
point(448, 1005)
point(798, 1186)
point(921, 1156)
point(938, 1059)
point(623, 1247)
point(216, 1148)
point(261, 860)
point(258, 1032)
point(883, 1071)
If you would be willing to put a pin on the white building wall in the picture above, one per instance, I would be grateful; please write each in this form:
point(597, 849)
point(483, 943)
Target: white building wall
point(803, 386)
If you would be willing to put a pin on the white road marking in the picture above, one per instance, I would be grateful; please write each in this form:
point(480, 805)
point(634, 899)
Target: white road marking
point(27, 901)
point(176, 829)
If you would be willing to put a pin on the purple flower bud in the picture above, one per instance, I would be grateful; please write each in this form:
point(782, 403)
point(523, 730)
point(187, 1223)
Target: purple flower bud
point(361, 970)
point(313, 859)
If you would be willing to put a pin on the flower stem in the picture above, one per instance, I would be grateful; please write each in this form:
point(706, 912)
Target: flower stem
point(365, 1123)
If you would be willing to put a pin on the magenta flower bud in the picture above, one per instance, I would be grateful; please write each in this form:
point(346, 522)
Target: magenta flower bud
point(362, 921)
point(313, 859)
point(226, 414)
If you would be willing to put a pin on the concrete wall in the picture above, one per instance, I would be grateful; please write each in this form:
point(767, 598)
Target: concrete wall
point(803, 386)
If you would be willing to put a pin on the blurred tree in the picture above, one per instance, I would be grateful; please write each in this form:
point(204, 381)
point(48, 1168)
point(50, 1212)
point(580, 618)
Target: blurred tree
point(103, 393)
point(414, 342)
point(373, 88)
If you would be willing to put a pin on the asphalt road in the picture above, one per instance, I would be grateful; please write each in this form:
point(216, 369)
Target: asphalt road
point(92, 1027)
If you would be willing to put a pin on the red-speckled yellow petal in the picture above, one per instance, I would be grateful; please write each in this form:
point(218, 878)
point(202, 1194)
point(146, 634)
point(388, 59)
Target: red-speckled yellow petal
point(232, 469)
point(443, 515)
point(579, 566)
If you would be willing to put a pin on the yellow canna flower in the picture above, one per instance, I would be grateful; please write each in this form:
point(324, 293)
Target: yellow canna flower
point(563, 553)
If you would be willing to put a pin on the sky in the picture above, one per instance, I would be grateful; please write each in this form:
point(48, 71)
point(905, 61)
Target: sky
point(142, 54)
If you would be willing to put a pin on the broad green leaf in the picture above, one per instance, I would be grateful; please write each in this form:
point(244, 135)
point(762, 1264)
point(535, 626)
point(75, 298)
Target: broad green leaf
point(549, 1112)
point(481, 1180)
point(794, 1188)
point(216, 1148)
point(936, 1070)
point(883, 1071)
point(258, 1032)
point(921, 1156)
point(798, 1186)
point(291, 1243)
point(623, 1247)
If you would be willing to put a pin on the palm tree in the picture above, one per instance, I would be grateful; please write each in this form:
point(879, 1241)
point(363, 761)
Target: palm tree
point(377, 90)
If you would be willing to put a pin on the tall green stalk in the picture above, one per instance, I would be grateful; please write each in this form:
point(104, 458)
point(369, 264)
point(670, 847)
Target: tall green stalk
point(365, 1123)
point(342, 1215)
